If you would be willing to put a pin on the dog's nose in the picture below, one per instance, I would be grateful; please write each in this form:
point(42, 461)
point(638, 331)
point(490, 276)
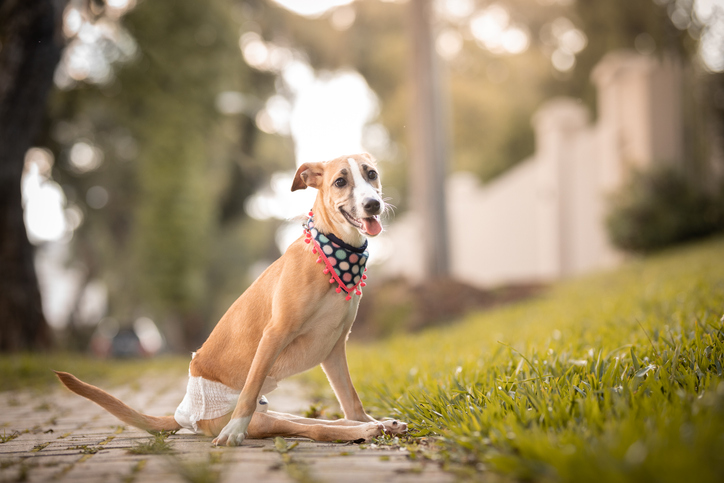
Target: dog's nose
point(371, 206)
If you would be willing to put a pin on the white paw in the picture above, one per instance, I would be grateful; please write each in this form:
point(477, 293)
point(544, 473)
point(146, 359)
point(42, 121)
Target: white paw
point(392, 426)
point(233, 433)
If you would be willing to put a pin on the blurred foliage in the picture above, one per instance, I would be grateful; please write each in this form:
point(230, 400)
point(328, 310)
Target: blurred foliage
point(176, 170)
point(620, 24)
point(612, 377)
point(491, 96)
point(663, 206)
point(173, 241)
point(35, 371)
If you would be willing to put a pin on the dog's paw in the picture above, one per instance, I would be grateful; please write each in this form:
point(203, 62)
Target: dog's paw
point(372, 430)
point(233, 433)
point(392, 426)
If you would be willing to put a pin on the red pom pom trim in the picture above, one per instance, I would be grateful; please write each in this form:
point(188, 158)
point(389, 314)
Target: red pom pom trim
point(327, 269)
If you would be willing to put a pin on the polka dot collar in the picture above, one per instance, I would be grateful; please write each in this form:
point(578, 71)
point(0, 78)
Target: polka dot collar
point(345, 263)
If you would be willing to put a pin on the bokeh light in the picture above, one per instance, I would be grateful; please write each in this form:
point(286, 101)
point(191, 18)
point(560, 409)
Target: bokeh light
point(43, 199)
point(493, 30)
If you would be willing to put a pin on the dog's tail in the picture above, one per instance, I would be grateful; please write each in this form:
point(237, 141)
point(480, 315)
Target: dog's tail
point(116, 407)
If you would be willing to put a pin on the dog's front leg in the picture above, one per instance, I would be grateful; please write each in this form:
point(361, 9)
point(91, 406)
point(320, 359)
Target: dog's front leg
point(335, 366)
point(270, 346)
point(337, 371)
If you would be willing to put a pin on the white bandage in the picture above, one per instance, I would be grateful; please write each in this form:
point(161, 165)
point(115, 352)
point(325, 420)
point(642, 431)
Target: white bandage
point(206, 399)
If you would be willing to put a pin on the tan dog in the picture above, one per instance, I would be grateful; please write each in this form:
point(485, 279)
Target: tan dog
point(290, 319)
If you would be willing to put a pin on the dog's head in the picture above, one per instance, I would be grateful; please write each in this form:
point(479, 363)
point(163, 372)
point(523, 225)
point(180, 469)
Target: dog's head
point(349, 202)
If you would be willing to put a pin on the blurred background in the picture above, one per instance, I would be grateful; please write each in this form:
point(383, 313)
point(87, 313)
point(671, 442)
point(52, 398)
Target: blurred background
point(147, 150)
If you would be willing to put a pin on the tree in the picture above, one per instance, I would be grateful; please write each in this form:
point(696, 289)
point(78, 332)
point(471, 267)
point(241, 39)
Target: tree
point(30, 52)
point(428, 167)
point(175, 170)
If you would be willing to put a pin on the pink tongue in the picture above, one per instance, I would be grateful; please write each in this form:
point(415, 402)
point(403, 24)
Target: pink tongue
point(372, 226)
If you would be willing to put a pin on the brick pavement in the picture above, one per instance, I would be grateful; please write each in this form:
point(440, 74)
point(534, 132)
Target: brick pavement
point(55, 435)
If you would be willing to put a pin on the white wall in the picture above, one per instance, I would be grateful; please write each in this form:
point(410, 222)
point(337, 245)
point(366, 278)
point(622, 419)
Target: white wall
point(545, 218)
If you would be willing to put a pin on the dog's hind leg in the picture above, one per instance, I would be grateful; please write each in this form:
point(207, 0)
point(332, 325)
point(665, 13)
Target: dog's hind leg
point(392, 426)
point(302, 420)
point(266, 425)
point(212, 427)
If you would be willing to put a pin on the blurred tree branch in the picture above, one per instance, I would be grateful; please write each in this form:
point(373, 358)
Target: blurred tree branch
point(30, 51)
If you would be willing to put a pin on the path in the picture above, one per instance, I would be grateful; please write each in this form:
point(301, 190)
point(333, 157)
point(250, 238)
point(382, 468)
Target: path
point(58, 436)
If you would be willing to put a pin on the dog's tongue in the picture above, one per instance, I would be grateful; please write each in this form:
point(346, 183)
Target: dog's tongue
point(372, 225)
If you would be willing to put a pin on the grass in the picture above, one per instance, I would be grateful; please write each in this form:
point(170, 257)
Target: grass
point(199, 471)
point(296, 469)
point(24, 371)
point(157, 444)
point(614, 377)
point(5, 437)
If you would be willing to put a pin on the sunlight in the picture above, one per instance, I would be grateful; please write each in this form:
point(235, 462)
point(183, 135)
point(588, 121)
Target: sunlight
point(84, 157)
point(329, 114)
point(94, 45)
point(563, 42)
point(710, 13)
point(311, 8)
point(326, 114)
point(455, 10)
point(343, 18)
point(449, 43)
point(493, 31)
point(326, 119)
point(43, 199)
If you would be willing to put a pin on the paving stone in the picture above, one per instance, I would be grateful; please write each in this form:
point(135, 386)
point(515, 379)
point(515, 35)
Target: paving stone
point(65, 438)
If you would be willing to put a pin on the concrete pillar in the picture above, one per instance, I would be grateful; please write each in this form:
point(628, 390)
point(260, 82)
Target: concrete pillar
point(639, 114)
point(558, 125)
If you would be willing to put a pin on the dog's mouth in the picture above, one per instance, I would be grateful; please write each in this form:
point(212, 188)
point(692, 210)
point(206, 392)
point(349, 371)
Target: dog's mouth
point(369, 226)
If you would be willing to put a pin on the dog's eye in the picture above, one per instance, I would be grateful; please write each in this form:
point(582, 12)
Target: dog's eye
point(372, 175)
point(340, 182)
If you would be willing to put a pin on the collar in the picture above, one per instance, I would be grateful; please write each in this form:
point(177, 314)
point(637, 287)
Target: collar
point(344, 262)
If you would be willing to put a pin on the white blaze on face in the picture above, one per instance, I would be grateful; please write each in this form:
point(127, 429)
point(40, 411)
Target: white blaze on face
point(363, 190)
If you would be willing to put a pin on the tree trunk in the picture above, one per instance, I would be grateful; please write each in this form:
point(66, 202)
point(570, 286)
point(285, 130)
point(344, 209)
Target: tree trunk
point(429, 146)
point(30, 52)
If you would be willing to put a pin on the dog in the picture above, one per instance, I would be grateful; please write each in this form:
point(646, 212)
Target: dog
point(296, 315)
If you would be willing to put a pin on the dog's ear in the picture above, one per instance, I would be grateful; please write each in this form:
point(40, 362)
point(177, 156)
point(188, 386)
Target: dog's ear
point(308, 174)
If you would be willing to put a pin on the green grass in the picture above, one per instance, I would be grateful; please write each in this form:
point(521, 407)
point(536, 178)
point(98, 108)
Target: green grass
point(35, 371)
point(157, 444)
point(614, 377)
point(199, 471)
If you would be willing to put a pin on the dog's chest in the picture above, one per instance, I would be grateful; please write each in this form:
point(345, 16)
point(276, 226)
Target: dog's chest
point(320, 332)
